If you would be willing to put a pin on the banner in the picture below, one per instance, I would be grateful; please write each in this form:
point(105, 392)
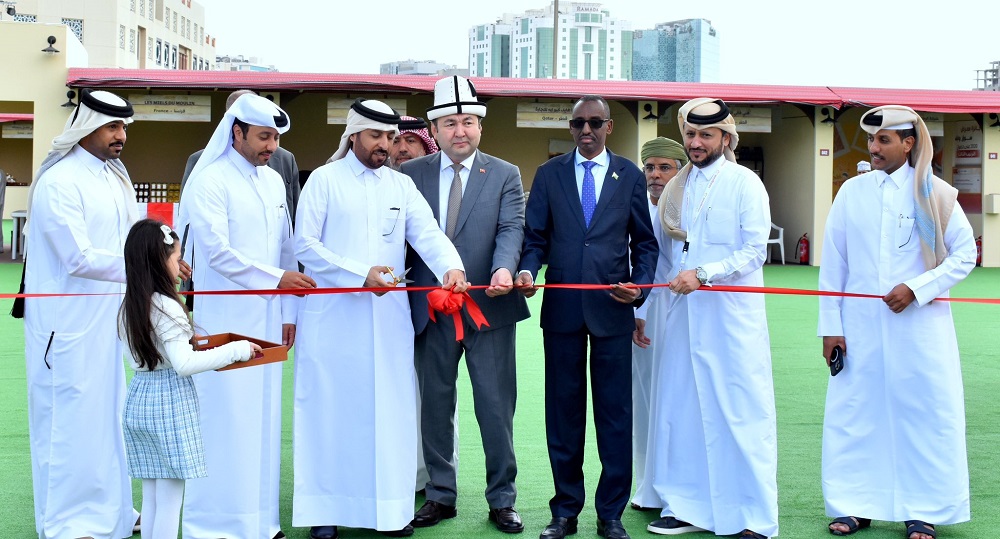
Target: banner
point(337, 107)
point(19, 130)
point(172, 108)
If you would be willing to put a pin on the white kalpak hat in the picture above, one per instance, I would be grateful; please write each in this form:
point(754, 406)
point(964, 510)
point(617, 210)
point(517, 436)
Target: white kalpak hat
point(366, 114)
point(455, 95)
point(250, 109)
point(864, 166)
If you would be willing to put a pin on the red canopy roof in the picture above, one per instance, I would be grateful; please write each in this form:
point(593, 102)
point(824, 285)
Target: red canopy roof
point(969, 101)
point(6, 117)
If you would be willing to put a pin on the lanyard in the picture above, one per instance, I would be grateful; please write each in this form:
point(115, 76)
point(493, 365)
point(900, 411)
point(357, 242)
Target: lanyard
point(704, 196)
point(697, 211)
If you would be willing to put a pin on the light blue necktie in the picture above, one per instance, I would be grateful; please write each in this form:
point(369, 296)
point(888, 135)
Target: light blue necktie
point(589, 195)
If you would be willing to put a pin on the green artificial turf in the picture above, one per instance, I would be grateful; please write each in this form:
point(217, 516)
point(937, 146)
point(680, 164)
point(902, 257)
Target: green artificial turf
point(800, 385)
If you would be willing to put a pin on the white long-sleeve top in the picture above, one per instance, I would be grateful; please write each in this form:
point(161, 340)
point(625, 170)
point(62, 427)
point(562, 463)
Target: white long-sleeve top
point(173, 341)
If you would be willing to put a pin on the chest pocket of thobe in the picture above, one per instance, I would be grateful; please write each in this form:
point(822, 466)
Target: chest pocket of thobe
point(906, 233)
point(392, 225)
point(720, 226)
point(276, 219)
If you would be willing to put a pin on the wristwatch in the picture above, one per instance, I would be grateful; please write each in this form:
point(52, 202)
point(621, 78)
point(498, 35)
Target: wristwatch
point(700, 273)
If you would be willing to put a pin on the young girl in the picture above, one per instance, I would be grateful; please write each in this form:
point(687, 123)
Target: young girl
point(162, 433)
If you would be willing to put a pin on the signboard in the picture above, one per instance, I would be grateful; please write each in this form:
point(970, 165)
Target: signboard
point(968, 180)
point(172, 108)
point(337, 107)
point(18, 130)
point(935, 122)
point(751, 119)
point(968, 144)
point(544, 115)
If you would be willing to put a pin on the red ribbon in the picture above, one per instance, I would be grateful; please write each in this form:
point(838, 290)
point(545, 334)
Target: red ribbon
point(449, 302)
point(311, 291)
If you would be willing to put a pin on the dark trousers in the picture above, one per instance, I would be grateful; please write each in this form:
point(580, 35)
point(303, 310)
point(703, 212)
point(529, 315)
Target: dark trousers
point(490, 359)
point(566, 419)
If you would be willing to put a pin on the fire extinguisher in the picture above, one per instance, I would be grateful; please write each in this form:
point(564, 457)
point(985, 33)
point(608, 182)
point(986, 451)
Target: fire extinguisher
point(979, 251)
point(804, 250)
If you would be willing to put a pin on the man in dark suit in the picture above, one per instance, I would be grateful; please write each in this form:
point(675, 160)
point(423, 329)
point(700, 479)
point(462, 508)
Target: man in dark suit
point(479, 202)
point(586, 216)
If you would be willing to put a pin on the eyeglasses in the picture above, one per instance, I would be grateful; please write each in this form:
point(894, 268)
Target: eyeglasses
point(594, 123)
point(665, 169)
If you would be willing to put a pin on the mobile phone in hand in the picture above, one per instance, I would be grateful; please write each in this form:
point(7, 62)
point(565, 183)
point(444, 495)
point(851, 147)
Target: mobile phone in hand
point(836, 361)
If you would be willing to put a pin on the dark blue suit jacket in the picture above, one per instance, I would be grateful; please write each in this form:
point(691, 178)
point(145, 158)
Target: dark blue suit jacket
point(555, 233)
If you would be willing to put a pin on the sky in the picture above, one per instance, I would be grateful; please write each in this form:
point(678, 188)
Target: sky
point(917, 44)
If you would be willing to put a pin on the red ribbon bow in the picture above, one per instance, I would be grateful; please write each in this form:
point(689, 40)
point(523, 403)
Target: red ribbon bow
point(449, 302)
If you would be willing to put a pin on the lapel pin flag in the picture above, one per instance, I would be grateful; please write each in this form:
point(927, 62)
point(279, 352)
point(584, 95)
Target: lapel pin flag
point(614, 175)
point(482, 171)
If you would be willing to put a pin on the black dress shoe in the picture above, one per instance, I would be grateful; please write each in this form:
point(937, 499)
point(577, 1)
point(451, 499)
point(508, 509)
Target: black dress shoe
point(323, 532)
point(279, 535)
point(405, 532)
point(611, 529)
point(559, 528)
point(506, 519)
point(431, 513)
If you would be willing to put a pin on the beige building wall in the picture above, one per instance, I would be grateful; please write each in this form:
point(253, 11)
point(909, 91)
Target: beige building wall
point(989, 223)
point(35, 83)
point(124, 33)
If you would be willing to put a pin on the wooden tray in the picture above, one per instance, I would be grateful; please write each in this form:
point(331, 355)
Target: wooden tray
point(270, 353)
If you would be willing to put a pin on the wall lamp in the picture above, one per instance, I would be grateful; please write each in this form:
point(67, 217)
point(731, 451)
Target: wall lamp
point(10, 10)
point(650, 115)
point(50, 49)
point(825, 111)
point(69, 101)
point(996, 119)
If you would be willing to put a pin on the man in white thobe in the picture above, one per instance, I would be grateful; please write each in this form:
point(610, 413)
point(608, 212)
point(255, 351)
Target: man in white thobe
point(661, 158)
point(355, 385)
point(81, 206)
point(241, 235)
point(713, 417)
point(894, 428)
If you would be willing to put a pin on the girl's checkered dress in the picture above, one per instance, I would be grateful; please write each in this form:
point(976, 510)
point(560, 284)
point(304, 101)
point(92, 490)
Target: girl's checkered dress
point(162, 428)
point(161, 421)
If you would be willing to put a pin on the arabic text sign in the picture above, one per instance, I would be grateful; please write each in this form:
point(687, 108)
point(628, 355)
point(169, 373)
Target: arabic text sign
point(752, 119)
point(544, 115)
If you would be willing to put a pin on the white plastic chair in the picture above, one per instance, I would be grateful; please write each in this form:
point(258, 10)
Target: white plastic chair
point(780, 241)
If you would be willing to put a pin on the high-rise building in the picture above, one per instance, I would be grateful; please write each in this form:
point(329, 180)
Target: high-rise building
point(238, 62)
point(677, 51)
point(425, 67)
point(592, 44)
point(988, 79)
point(143, 34)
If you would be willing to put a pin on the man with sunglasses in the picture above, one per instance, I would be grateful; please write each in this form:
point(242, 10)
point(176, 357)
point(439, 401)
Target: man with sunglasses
point(588, 218)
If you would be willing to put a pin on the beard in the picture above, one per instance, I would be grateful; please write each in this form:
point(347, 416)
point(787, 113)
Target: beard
point(374, 159)
point(708, 159)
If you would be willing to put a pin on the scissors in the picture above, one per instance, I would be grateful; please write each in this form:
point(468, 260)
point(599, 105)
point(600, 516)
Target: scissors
point(399, 279)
